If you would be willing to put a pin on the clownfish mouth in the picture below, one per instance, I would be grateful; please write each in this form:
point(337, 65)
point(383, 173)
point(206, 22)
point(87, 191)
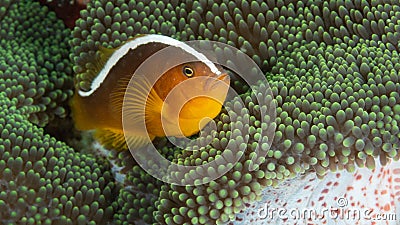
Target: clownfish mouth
point(206, 86)
point(212, 83)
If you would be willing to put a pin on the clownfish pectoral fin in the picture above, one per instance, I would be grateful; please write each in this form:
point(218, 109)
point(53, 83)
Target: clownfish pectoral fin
point(115, 139)
point(134, 93)
point(117, 96)
point(105, 53)
point(137, 101)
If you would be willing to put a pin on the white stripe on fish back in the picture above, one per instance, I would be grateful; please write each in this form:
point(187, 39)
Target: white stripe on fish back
point(124, 49)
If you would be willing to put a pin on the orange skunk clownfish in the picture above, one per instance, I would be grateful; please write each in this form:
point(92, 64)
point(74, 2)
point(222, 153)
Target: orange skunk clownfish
point(100, 108)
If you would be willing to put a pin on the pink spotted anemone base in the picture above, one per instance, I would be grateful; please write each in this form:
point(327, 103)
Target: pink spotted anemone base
point(359, 198)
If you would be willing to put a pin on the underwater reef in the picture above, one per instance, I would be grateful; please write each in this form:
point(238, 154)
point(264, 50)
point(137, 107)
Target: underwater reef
point(333, 68)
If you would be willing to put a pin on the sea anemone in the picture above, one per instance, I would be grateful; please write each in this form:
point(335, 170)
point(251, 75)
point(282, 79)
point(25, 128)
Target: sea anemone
point(43, 181)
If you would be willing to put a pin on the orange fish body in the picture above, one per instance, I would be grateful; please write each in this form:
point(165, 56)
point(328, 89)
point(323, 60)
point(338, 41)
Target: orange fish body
point(176, 104)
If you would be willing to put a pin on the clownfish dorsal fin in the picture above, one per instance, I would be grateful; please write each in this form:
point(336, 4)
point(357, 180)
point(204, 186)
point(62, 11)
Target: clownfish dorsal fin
point(137, 36)
point(105, 53)
point(103, 56)
point(98, 61)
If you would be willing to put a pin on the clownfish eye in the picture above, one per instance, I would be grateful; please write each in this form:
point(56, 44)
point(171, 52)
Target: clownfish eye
point(187, 71)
